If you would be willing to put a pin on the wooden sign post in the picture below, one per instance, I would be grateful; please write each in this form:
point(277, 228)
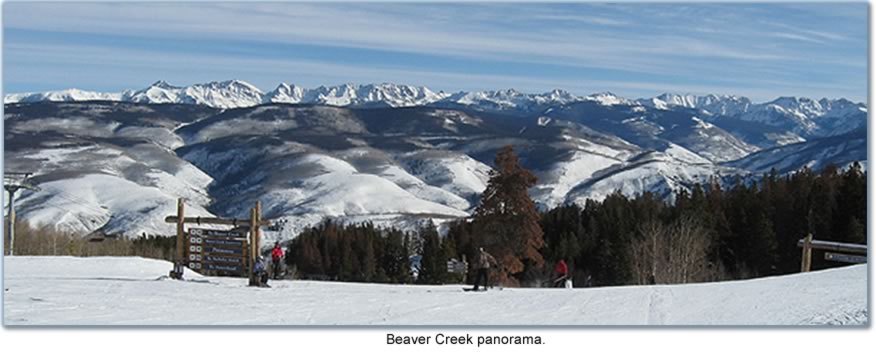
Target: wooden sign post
point(806, 262)
point(217, 250)
point(846, 252)
point(179, 265)
point(255, 234)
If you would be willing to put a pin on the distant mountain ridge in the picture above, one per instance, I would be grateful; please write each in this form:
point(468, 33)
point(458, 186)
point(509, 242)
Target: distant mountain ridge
point(804, 117)
point(392, 154)
point(237, 93)
point(118, 167)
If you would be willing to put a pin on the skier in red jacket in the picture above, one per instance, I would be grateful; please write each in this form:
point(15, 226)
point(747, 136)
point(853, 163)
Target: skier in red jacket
point(276, 258)
point(562, 271)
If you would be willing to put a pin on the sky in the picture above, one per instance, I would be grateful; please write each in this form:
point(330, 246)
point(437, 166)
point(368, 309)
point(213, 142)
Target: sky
point(758, 50)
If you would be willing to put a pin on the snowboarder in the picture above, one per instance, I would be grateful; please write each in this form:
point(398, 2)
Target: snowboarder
point(276, 259)
point(562, 273)
point(260, 272)
point(482, 264)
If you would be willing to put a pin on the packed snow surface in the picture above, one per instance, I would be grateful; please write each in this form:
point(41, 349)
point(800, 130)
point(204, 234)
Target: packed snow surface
point(134, 291)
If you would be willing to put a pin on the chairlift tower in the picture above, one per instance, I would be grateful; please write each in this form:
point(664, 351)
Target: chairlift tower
point(13, 182)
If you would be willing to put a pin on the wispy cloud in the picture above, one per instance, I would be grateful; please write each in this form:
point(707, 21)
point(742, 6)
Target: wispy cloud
point(633, 47)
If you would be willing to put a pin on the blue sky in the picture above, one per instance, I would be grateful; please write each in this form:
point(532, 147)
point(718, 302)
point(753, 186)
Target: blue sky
point(634, 50)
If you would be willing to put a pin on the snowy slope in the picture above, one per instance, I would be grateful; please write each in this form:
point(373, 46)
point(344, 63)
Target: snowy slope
point(656, 129)
point(100, 187)
point(798, 118)
point(802, 116)
point(726, 105)
point(660, 173)
point(815, 154)
point(72, 94)
point(132, 291)
point(110, 204)
point(104, 168)
point(226, 94)
point(237, 93)
point(455, 173)
point(393, 166)
point(386, 94)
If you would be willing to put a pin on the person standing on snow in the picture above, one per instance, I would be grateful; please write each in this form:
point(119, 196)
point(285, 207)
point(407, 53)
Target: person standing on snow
point(276, 259)
point(482, 264)
point(261, 274)
point(562, 272)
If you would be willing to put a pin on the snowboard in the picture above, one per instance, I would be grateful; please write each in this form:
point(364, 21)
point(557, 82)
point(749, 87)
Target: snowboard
point(484, 289)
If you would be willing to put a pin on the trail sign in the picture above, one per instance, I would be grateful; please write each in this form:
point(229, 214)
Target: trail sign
point(845, 258)
point(216, 233)
point(213, 252)
point(455, 266)
point(221, 250)
point(223, 267)
point(216, 250)
point(221, 242)
point(226, 260)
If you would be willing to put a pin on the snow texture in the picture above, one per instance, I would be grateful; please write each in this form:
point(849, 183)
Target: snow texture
point(135, 291)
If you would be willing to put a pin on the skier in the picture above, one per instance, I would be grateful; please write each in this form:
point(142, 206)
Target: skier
point(276, 259)
point(261, 274)
point(562, 272)
point(482, 263)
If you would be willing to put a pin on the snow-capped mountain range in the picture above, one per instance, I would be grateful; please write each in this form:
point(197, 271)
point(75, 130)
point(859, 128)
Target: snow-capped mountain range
point(391, 154)
point(236, 93)
point(802, 116)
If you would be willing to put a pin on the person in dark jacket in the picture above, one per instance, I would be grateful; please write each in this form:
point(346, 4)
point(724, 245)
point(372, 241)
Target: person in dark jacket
point(482, 264)
point(276, 259)
point(561, 270)
point(260, 272)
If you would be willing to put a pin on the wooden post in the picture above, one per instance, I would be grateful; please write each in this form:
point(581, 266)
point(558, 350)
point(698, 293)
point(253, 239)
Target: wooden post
point(806, 262)
point(179, 266)
point(11, 223)
point(256, 228)
point(465, 270)
point(252, 244)
point(254, 234)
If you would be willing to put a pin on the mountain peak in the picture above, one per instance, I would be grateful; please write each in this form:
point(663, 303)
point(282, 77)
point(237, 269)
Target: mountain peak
point(163, 85)
point(238, 93)
point(230, 84)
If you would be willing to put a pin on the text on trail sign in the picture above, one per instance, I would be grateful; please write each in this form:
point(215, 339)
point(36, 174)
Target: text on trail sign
point(845, 258)
point(227, 260)
point(216, 233)
point(222, 267)
point(216, 250)
point(222, 242)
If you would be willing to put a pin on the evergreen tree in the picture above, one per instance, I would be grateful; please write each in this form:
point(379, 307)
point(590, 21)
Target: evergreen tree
point(506, 221)
point(368, 259)
point(434, 262)
point(395, 258)
point(852, 206)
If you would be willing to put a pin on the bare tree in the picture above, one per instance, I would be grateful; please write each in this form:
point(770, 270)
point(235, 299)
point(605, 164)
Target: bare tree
point(688, 250)
point(648, 252)
point(674, 254)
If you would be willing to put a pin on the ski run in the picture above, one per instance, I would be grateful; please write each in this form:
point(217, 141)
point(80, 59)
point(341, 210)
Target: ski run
point(135, 291)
